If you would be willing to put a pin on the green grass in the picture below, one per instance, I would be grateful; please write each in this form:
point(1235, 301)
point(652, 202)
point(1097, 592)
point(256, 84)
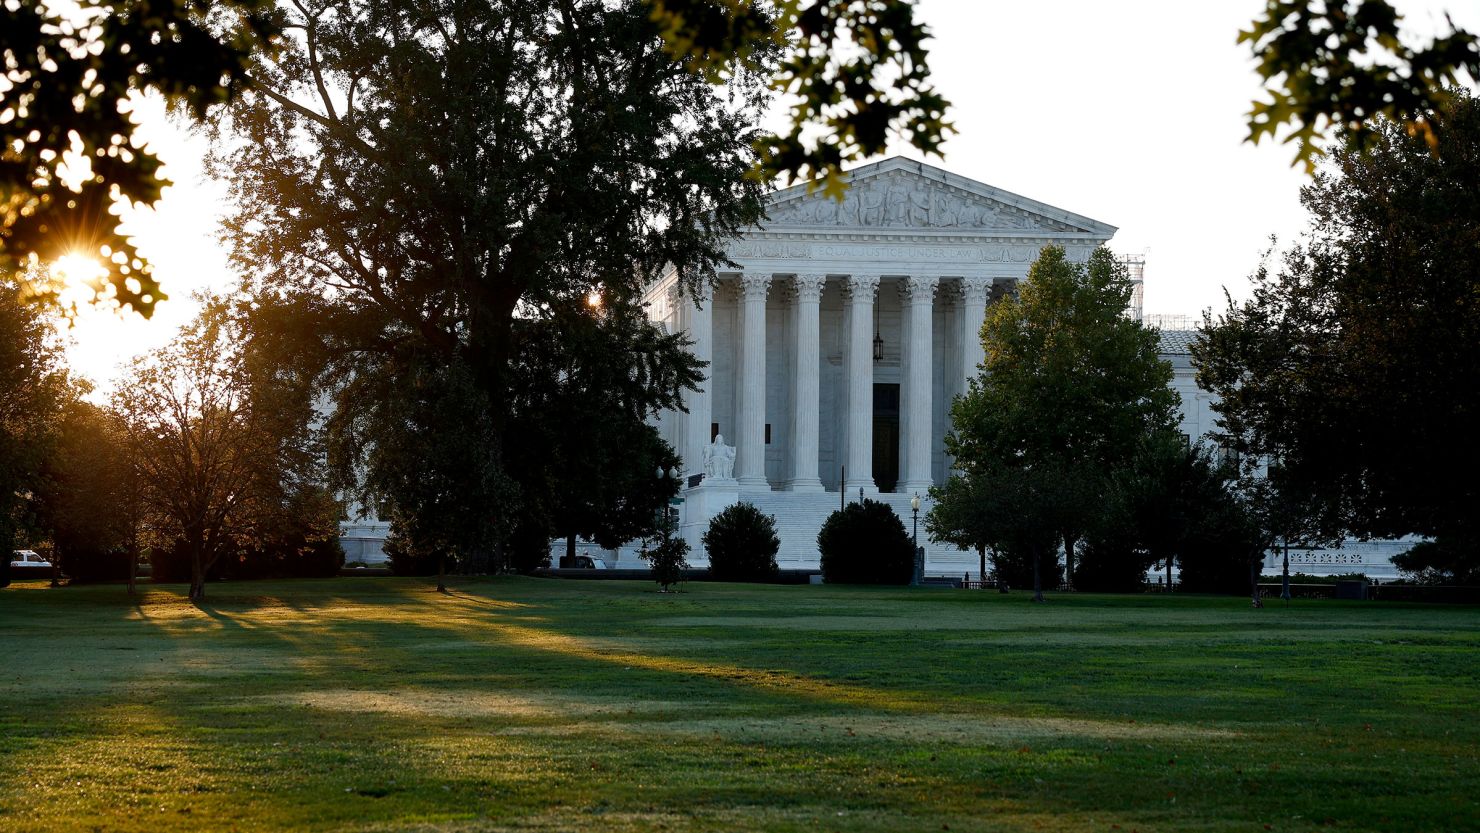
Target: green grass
point(378, 704)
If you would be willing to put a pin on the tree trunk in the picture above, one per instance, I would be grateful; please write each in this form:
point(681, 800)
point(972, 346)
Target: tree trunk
point(197, 578)
point(441, 574)
point(1169, 573)
point(133, 558)
point(570, 551)
point(1037, 576)
point(1254, 572)
point(981, 557)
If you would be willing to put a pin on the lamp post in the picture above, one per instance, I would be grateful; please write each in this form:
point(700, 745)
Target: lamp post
point(1285, 570)
point(919, 572)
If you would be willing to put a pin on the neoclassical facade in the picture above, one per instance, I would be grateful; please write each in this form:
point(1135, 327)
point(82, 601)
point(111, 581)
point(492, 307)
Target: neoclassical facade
point(837, 345)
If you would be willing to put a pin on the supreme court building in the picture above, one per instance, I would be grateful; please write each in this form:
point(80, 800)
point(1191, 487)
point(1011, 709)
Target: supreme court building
point(837, 345)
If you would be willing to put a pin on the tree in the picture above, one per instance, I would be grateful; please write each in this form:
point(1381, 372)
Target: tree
point(742, 544)
point(1441, 562)
point(1069, 388)
point(1354, 368)
point(668, 555)
point(1018, 512)
point(223, 445)
point(1348, 65)
point(585, 457)
point(34, 390)
point(452, 237)
point(69, 72)
point(865, 543)
point(88, 497)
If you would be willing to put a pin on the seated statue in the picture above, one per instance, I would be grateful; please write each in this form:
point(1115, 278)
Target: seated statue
point(719, 459)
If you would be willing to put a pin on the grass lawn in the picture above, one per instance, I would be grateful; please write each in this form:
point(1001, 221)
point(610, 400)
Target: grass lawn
point(524, 704)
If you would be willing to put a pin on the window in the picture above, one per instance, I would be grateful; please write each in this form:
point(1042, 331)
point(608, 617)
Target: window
point(768, 433)
point(713, 431)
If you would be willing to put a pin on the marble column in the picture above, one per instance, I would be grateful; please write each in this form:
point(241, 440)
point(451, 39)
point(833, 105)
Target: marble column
point(974, 291)
point(917, 429)
point(699, 310)
point(858, 456)
point(806, 404)
point(750, 439)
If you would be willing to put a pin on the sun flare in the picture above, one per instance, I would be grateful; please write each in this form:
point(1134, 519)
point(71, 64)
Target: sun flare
point(78, 272)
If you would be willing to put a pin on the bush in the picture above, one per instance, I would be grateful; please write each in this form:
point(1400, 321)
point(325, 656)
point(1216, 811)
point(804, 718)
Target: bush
point(668, 558)
point(865, 543)
point(742, 544)
point(1306, 578)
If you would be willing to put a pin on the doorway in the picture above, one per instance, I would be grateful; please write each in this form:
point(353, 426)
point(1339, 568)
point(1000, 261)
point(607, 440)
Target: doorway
point(886, 436)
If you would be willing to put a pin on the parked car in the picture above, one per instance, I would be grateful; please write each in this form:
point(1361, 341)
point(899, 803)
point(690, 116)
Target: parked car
point(586, 562)
point(28, 558)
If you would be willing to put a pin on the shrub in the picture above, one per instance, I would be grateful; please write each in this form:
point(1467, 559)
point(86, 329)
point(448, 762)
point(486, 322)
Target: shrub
point(865, 543)
point(742, 544)
point(668, 558)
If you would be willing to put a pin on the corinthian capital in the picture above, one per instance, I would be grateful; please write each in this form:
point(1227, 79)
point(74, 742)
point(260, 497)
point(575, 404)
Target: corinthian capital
point(918, 289)
point(974, 288)
point(754, 285)
point(860, 287)
point(809, 287)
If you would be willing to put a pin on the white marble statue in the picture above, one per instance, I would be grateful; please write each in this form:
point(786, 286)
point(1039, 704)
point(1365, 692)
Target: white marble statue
point(719, 459)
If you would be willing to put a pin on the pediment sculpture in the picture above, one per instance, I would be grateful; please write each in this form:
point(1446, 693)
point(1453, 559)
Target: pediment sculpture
point(904, 203)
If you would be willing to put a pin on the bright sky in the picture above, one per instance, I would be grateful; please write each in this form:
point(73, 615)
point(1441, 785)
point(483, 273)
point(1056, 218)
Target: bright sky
point(1130, 113)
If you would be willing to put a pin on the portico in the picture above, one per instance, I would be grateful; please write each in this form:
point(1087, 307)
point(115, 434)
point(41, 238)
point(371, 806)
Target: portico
point(840, 337)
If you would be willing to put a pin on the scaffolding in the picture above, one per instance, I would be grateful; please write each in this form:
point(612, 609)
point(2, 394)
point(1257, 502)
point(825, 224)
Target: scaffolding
point(1135, 267)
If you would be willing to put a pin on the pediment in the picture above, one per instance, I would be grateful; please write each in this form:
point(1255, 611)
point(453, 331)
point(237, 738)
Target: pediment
point(899, 193)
